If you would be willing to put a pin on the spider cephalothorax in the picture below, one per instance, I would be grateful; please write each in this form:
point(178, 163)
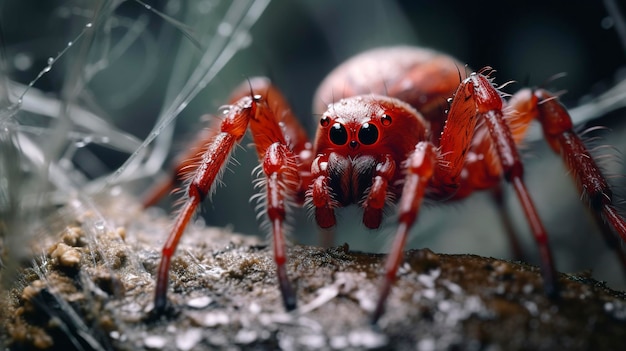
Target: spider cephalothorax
point(386, 137)
point(361, 143)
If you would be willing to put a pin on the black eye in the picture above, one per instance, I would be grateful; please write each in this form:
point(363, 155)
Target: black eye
point(368, 134)
point(385, 119)
point(338, 134)
point(325, 121)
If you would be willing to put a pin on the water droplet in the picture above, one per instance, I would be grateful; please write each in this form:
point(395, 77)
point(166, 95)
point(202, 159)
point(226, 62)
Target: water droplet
point(98, 225)
point(245, 40)
point(224, 110)
point(607, 22)
point(224, 29)
point(83, 142)
point(50, 60)
point(69, 43)
point(22, 61)
point(88, 25)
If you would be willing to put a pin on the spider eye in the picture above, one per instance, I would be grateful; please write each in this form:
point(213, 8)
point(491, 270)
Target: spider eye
point(338, 134)
point(368, 134)
point(386, 119)
point(325, 121)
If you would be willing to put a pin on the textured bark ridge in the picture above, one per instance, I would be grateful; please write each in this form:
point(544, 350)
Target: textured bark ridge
point(93, 289)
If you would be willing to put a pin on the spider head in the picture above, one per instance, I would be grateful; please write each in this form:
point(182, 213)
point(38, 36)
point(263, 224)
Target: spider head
point(369, 125)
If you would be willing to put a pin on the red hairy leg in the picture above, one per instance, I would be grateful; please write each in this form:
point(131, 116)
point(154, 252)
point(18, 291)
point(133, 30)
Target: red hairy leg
point(184, 164)
point(217, 152)
point(489, 107)
point(455, 142)
point(558, 131)
point(419, 167)
point(440, 169)
point(286, 154)
point(278, 124)
point(282, 146)
point(279, 166)
point(322, 199)
point(377, 195)
point(509, 229)
point(293, 133)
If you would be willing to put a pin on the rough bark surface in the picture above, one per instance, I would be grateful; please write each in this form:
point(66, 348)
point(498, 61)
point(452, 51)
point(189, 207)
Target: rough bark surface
point(93, 288)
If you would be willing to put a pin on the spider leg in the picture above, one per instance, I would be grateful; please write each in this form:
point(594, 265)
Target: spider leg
point(216, 153)
point(419, 167)
point(184, 164)
point(286, 155)
point(282, 180)
point(558, 131)
point(321, 195)
point(475, 99)
point(378, 192)
point(515, 246)
point(438, 168)
point(489, 107)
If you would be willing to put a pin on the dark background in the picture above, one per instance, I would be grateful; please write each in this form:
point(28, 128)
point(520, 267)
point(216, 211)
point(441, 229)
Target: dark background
point(297, 42)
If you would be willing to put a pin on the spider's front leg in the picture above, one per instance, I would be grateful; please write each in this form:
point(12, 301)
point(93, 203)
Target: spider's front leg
point(283, 150)
point(215, 155)
point(419, 167)
point(442, 170)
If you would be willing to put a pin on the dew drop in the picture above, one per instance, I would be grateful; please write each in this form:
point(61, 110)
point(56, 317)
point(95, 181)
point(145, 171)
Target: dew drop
point(245, 40)
point(69, 43)
point(607, 22)
point(99, 225)
point(83, 142)
point(224, 29)
point(50, 60)
point(88, 25)
point(22, 61)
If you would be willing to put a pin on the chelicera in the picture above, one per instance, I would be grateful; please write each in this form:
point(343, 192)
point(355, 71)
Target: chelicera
point(395, 125)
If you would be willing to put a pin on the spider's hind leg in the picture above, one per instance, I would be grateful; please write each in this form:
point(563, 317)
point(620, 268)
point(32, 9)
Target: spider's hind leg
point(593, 186)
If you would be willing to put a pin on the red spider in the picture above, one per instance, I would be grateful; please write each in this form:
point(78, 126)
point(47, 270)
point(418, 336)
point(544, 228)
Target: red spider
point(387, 138)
